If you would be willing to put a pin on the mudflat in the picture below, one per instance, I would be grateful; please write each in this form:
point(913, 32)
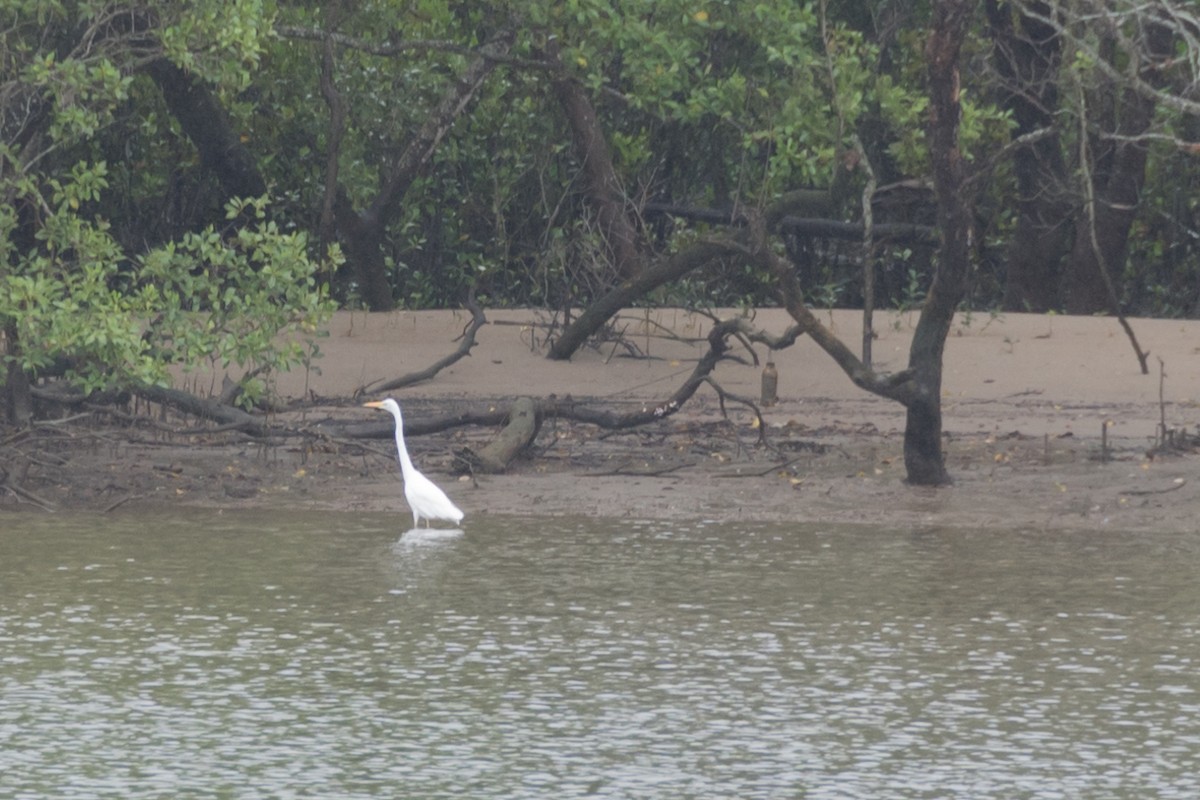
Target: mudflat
point(1049, 424)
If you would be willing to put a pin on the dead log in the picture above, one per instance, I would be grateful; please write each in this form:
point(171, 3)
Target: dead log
point(420, 426)
point(522, 427)
point(228, 417)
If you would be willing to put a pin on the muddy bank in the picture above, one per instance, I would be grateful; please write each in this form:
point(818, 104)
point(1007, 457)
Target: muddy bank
point(1027, 399)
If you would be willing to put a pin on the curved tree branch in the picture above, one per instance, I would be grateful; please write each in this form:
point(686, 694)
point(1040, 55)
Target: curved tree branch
point(599, 312)
point(892, 386)
point(466, 342)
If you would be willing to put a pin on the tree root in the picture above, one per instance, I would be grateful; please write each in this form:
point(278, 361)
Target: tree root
point(21, 493)
point(27, 496)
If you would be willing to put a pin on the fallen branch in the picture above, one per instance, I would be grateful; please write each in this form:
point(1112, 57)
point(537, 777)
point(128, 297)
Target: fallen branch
point(466, 342)
point(22, 493)
point(761, 473)
point(718, 348)
point(640, 472)
point(568, 408)
point(113, 506)
point(229, 417)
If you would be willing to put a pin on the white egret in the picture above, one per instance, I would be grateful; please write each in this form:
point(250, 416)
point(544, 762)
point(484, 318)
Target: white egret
point(424, 497)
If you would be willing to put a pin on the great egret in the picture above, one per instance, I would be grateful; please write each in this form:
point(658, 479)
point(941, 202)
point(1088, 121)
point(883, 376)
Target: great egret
point(424, 497)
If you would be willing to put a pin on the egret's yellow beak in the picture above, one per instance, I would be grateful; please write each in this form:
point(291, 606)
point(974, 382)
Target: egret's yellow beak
point(373, 404)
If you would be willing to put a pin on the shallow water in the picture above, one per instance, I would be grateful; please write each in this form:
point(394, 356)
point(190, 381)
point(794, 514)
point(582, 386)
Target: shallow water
point(315, 655)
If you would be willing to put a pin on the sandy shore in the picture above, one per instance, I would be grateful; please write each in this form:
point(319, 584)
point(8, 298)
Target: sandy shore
point(1026, 400)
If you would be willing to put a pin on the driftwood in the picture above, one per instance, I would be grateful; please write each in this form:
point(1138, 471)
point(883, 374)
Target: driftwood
point(466, 342)
point(522, 427)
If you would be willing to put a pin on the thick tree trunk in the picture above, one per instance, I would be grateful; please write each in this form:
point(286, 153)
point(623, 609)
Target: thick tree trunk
point(206, 124)
point(362, 241)
point(923, 456)
point(1116, 192)
point(604, 191)
point(1027, 53)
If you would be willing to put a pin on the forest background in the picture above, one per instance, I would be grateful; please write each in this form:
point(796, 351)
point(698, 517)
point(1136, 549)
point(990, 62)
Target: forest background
point(183, 183)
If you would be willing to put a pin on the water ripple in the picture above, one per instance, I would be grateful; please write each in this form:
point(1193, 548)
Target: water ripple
point(317, 656)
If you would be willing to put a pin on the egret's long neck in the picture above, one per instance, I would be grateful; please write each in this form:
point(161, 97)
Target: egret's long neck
point(406, 464)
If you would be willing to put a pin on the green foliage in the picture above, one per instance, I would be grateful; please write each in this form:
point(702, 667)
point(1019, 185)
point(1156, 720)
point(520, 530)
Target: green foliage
point(711, 103)
point(209, 298)
point(222, 41)
point(718, 103)
point(228, 298)
point(72, 296)
point(756, 72)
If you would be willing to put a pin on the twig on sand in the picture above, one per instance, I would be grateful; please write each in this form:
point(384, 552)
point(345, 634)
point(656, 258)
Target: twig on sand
point(759, 473)
point(1178, 484)
point(642, 472)
point(113, 506)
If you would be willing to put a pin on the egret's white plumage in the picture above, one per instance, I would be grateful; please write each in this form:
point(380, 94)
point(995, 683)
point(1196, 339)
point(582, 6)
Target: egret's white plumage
point(426, 500)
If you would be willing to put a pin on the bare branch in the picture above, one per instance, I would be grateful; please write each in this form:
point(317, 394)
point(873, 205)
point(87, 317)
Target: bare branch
point(1185, 24)
point(893, 386)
